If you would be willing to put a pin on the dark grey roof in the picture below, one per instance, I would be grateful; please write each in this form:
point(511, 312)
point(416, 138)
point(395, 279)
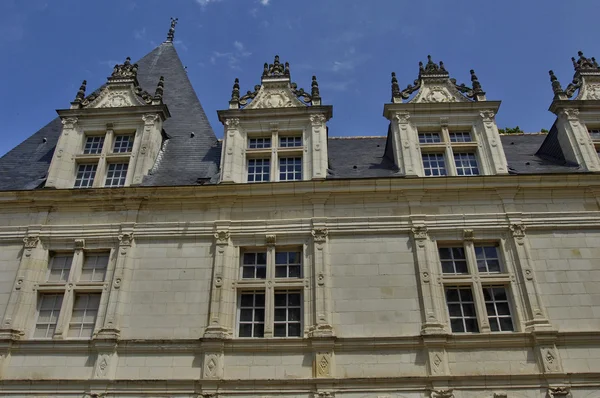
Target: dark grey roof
point(521, 149)
point(359, 157)
point(184, 160)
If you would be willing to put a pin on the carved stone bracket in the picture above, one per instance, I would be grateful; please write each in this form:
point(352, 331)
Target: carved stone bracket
point(150, 119)
point(570, 113)
point(320, 234)
point(125, 239)
point(559, 392)
point(222, 237)
point(317, 120)
point(402, 117)
point(69, 123)
point(487, 115)
point(232, 124)
point(447, 393)
point(79, 244)
point(30, 243)
point(270, 240)
point(518, 232)
point(468, 235)
point(420, 234)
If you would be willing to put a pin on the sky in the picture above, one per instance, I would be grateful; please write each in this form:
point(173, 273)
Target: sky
point(49, 46)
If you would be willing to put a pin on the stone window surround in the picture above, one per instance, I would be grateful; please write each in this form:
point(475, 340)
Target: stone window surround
point(449, 148)
point(70, 288)
point(477, 280)
point(107, 155)
point(274, 152)
point(272, 284)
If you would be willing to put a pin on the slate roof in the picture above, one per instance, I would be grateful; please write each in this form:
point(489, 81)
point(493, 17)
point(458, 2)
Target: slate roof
point(190, 159)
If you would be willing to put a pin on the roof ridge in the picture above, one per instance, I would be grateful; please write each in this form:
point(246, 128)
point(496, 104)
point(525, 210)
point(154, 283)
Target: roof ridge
point(357, 137)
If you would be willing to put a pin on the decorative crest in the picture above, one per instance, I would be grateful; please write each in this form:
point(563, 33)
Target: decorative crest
point(171, 34)
point(586, 80)
point(276, 90)
point(276, 69)
point(584, 64)
point(127, 70)
point(435, 85)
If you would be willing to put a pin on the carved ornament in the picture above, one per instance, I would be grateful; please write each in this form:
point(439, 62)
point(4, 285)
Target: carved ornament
point(69, 123)
point(323, 364)
point(320, 234)
point(468, 235)
point(570, 113)
point(150, 119)
point(222, 237)
point(30, 242)
point(487, 115)
point(213, 365)
point(317, 120)
point(270, 240)
point(79, 244)
point(559, 392)
point(448, 393)
point(125, 239)
point(233, 123)
point(420, 233)
point(518, 232)
point(402, 117)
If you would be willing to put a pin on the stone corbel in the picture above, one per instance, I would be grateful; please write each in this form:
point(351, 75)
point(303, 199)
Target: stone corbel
point(270, 240)
point(30, 243)
point(213, 360)
point(105, 366)
point(442, 393)
point(558, 392)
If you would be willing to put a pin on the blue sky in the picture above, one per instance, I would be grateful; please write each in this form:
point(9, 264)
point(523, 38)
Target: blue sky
point(352, 46)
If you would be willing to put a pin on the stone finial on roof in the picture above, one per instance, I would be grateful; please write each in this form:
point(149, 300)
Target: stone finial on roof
point(171, 34)
point(584, 64)
point(478, 92)
point(126, 70)
point(431, 68)
point(160, 87)
point(81, 92)
point(314, 92)
point(559, 93)
point(276, 69)
point(395, 87)
point(235, 92)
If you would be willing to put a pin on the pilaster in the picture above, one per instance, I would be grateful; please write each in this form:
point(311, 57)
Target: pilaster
point(213, 360)
point(432, 323)
point(105, 365)
point(22, 300)
point(535, 314)
point(405, 145)
point(546, 352)
point(490, 145)
point(323, 357)
point(318, 148)
point(231, 158)
point(222, 300)
point(322, 326)
point(62, 167)
point(151, 139)
point(437, 358)
point(118, 287)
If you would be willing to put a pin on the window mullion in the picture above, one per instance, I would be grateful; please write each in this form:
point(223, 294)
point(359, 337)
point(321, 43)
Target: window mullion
point(76, 265)
point(64, 317)
point(270, 282)
point(274, 156)
point(482, 319)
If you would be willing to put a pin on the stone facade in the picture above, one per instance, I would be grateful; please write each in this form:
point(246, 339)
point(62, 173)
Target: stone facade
point(467, 285)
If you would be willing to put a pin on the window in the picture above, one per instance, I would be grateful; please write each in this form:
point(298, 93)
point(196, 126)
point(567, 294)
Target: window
point(429, 138)
point(460, 136)
point(290, 169)
point(594, 133)
point(476, 287)
point(254, 266)
point(85, 175)
point(59, 267)
point(461, 309)
point(259, 170)
point(62, 286)
point(276, 311)
point(466, 164)
point(48, 311)
point(434, 164)
point(289, 142)
point(123, 144)
point(283, 163)
point(115, 176)
point(437, 147)
point(93, 145)
point(94, 267)
point(288, 313)
point(259, 143)
point(83, 319)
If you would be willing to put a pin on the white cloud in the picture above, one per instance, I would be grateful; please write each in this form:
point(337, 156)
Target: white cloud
point(238, 45)
point(264, 2)
point(140, 34)
point(204, 3)
point(233, 58)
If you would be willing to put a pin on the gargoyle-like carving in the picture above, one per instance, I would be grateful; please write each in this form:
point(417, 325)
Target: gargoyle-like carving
point(420, 233)
point(320, 234)
point(448, 393)
point(270, 240)
point(558, 392)
point(79, 244)
point(222, 237)
point(125, 239)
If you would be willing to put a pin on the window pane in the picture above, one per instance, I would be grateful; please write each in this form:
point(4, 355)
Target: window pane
point(123, 144)
point(487, 259)
point(251, 314)
point(461, 309)
point(93, 145)
point(466, 164)
point(83, 318)
point(259, 143)
point(259, 170)
point(49, 309)
point(116, 174)
point(290, 169)
point(434, 164)
point(254, 266)
point(94, 267)
point(460, 136)
point(85, 175)
point(60, 266)
point(453, 260)
point(288, 314)
point(429, 138)
point(287, 142)
point(498, 308)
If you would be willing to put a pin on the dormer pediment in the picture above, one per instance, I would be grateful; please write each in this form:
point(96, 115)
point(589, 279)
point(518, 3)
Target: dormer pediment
point(435, 85)
point(121, 90)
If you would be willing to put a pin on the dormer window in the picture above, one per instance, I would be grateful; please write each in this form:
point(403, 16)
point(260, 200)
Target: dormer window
point(429, 138)
point(259, 143)
point(282, 164)
point(595, 136)
point(259, 170)
point(116, 174)
point(460, 136)
point(85, 175)
point(435, 153)
point(123, 144)
point(288, 142)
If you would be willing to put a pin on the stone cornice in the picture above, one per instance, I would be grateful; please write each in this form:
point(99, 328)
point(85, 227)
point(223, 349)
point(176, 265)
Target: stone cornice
point(210, 193)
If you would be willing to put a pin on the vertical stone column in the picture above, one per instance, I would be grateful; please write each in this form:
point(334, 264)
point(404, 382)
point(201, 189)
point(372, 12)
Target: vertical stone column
point(319, 148)
point(322, 301)
point(222, 300)
point(23, 297)
point(534, 309)
point(66, 309)
point(575, 140)
point(62, 167)
point(405, 145)
point(426, 277)
point(231, 156)
point(492, 152)
point(117, 291)
point(149, 147)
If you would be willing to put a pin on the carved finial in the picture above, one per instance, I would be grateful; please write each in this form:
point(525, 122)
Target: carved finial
point(584, 64)
point(395, 86)
point(421, 69)
point(476, 85)
point(276, 69)
point(81, 93)
point(431, 68)
point(314, 92)
point(286, 71)
point(160, 88)
point(556, 87)
point(126, 70)
point(574, 62)
point(266, 70)
point(171, 34)
point(442, 66)
point(235, 93)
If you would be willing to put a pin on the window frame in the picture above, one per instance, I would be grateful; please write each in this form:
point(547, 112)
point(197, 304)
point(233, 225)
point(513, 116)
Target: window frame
point(477, 281)
point(93, 178)
point(449, 147)
point(273, 153)
point(120, 178)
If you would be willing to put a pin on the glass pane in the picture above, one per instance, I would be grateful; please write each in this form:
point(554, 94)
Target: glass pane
point(481, 266)
point(469, 309)
point(503, 308)
point(466, 295)
point(261, 272)
point(294, 271)
point(457, 325)
point(77, 316)
point(279, 330)
point(259, 315)
point(294, 299)
point(247, 300)
point(294, 330)
point(246, 330)
point(447, 267)
point(506, 324)
point(281, 272)
point(280, 315)
point(491, 252)
point(461, 267)
point(458, 252)
point(281, 258)
point(294, 314)
point(280, 300)
point(452, 295)
point(248, 272)
point(486, 294)
point(259, 330)
point(454, 310)
point(445, 253)
point(491, 310)
point(87, 331)
point(261, 258)
point(478, 252)
point(494, 327)
point(249, 258)
point(471, 325)
point(493, 265)
point(500, 293)
point(245, 315)
point(260, 300)
point(41, 331)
